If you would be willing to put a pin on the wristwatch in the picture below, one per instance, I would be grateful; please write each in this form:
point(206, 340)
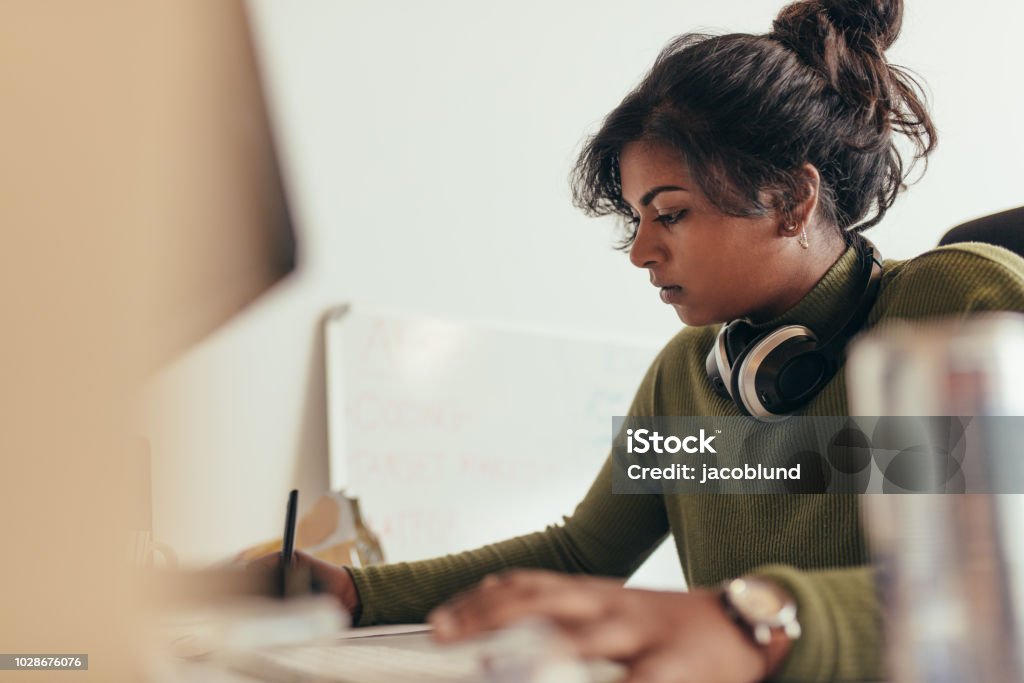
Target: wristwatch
point(762, 608)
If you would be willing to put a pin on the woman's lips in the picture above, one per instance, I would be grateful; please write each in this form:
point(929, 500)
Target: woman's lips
point(672, 294)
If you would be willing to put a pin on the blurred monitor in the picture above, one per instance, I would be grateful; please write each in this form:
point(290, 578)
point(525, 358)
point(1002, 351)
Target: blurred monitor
point(142, 206)
point(234, 235)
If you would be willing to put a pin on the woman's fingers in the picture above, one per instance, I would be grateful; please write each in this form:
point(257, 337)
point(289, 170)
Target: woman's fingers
point(330, 578)
point(663, 637)
point(504, 599)
point(615, 637)
point(667, 666)
point(268, 561)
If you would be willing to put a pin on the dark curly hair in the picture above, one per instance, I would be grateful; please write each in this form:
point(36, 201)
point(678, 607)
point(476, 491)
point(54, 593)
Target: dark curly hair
point(747, 111)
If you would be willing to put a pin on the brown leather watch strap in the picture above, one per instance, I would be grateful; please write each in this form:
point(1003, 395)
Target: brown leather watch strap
point(777, 649)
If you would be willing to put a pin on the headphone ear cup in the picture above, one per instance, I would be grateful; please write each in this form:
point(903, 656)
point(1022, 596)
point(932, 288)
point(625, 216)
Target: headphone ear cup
point(717, 366)
point(735, 389)
point(803, 374)
point(774, 375)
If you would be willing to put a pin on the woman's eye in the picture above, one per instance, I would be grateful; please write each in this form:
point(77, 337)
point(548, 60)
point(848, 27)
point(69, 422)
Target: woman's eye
point(667, 219)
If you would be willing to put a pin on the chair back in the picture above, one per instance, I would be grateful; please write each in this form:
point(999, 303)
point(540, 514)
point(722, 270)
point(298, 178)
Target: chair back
point(1004, 229)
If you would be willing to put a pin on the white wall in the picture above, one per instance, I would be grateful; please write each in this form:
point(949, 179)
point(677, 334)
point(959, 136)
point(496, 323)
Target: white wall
point(427, 147)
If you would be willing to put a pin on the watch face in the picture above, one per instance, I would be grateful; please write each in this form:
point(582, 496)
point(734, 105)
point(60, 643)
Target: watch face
point(759, 601)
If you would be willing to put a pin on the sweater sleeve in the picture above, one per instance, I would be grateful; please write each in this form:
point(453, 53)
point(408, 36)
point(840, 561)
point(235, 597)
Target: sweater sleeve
point(839, 611)
point(609, 535)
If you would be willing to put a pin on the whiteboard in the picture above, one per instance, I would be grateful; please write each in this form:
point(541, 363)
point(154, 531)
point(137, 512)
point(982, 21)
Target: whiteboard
point(453, 435)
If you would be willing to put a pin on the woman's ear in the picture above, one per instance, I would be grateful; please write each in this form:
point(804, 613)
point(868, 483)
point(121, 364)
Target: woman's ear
point(795, 217)
point(807, 199)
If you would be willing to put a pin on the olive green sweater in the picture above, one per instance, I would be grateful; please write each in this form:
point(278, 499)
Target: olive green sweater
point(813, 544)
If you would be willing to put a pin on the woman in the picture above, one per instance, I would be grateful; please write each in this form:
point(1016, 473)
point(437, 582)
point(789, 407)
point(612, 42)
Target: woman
point(746, 166)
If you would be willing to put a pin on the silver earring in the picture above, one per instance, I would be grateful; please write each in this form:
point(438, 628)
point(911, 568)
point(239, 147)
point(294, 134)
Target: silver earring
point(803, 239)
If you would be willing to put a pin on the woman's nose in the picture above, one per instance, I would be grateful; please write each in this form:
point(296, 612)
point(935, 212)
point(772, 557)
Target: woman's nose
point(646, 251)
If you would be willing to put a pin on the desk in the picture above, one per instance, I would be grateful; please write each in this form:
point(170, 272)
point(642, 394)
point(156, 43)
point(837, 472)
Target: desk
point(185, 671)
point(178, 670)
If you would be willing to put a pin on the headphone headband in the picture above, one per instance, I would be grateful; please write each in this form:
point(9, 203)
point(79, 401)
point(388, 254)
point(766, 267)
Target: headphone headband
point(871, 273)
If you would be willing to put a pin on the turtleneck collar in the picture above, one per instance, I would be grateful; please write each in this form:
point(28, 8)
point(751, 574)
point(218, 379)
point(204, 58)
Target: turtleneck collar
point(828, 301)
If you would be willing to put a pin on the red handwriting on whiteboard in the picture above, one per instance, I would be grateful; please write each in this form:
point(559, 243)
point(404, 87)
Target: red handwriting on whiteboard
point(415, 524)
point(370, 411)
point(398, 464)
point(389, 344)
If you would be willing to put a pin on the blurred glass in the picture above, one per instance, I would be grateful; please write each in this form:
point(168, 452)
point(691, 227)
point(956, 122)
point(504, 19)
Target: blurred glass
point(950, 567)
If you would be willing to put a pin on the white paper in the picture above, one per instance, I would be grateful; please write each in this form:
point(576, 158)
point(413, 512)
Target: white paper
point(388, 630)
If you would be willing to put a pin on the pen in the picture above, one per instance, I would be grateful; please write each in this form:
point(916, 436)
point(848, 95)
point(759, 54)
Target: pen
point(288, 544)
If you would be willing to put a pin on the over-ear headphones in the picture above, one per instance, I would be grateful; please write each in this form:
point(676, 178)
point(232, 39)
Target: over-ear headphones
point(771, 375)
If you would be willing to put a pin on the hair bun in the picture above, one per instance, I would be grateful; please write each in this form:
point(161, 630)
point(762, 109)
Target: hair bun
point(871, 25)
point(844, 40)
point(876, 20)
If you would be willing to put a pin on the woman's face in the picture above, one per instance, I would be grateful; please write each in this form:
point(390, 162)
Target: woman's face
point(708, 266)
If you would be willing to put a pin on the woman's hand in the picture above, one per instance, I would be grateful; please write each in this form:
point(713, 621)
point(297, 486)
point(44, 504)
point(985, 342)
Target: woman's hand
point(333, 579)
point(660, 636)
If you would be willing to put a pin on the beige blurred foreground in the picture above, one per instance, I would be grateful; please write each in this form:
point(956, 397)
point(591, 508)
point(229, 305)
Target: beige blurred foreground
point(138, 204)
